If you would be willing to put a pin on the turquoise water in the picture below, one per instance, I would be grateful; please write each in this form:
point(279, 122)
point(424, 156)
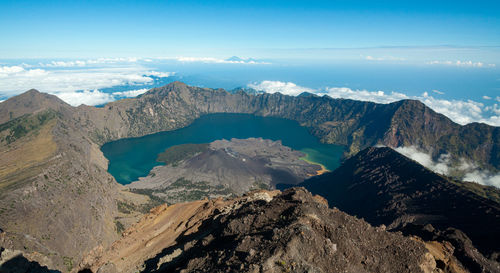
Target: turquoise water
point(132, 158)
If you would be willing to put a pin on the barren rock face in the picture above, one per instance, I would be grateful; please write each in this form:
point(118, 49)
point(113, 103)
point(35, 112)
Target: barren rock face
point(261, 232)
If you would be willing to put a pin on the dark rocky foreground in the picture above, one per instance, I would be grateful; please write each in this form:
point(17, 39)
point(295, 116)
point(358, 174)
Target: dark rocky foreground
point(263, 231)
point(384, 187)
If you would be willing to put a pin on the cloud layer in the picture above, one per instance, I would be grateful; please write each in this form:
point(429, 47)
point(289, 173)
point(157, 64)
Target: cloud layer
point(15, 79)
point(96, 97)
point(82, 81)
point(462, 63)
point(443, 165)
point(91, 62)
point(287, 88)
point(232, 60)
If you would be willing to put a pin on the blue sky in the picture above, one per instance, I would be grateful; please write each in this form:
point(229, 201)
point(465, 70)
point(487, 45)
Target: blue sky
point(82, 29)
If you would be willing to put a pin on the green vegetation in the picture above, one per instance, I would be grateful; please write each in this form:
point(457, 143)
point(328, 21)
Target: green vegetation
point(21, 126)
point(259, 185)
point(119, 227)
point(283, 265)
point(183, 190)
point(176, 154)
point(154, 200)
point(489, 192)
point(125, 207)
point(68, 262)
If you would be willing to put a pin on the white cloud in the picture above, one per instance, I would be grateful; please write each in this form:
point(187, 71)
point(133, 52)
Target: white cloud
point(87, 97)
point(461, 63)
point(96, 97)
point(72, 80)
point(441, 166)
point(287, 88)
point(64, 64)
point(487, 97)
point(7, 70)
point(160, 74)
point(495, 108)
point(363, 95)
point(438, 92)
point(11, 72)
point(130, 93)
point(82, 63)
point(233, 60)
point(483, 178)
point(470, 172)
point(16, 79)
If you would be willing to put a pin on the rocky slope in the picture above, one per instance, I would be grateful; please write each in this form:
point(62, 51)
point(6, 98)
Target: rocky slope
point(223, 168)
point(384, 187)
point(263, 231)
point(56, 199)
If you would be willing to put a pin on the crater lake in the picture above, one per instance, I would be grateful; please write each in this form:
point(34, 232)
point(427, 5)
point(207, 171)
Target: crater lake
point(131, 158)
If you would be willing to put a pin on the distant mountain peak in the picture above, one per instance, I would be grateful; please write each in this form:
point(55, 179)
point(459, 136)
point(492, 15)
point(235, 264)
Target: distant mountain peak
point(32, 91)
point(307, 94)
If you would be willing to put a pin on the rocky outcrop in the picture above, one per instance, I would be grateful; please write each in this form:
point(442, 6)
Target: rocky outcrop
point(263, 231)
point(384, 187)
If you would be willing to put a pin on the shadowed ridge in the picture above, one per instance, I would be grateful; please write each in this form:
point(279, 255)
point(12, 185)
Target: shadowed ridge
point(385, 187)
point(20, 264)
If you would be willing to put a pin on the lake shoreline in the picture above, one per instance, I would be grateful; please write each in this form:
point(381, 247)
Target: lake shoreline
point(308, 160)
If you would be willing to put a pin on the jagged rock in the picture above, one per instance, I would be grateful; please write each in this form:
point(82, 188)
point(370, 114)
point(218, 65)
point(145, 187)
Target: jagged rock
point(262, 232)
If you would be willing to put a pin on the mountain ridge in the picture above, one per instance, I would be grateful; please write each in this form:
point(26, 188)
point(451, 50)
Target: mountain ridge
point(384, 187)
point(354, 124)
